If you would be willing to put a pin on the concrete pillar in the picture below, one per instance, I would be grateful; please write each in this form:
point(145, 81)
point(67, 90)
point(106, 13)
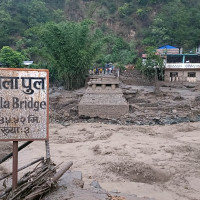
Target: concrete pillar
point(94, 86)
point(183, 59)
point(113, 86)
point(103, 86)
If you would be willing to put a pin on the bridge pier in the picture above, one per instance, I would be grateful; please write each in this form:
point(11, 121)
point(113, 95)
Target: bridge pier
point(103, 98)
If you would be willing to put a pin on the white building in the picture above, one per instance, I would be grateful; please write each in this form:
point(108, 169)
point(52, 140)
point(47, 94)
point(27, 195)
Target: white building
point(182, 67)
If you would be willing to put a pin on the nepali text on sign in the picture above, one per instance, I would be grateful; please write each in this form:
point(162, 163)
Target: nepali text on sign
point(23, 104)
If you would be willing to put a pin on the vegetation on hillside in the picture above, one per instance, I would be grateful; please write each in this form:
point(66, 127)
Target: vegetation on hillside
point(69, 36)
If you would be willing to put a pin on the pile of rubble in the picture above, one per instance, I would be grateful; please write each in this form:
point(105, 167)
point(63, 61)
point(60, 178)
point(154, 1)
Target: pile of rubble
point(134, 77)
point(71, 186)
point(171, 105)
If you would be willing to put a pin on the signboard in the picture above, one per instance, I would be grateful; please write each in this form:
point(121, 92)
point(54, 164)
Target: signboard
point(24, 104)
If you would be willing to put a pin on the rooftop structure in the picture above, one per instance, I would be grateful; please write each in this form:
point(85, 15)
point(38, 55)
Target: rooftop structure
point(167, 49)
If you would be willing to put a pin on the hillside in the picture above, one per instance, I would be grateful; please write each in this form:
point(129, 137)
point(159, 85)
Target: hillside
point(147, 22)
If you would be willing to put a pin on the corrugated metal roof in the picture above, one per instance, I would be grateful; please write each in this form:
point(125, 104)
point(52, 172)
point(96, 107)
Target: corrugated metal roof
point(167, 47)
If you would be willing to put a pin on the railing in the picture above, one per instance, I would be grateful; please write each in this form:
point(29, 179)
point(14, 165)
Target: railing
point(182, 65)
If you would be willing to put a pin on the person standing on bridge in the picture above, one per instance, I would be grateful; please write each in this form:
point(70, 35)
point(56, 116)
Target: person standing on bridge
point(97, 71)
point(106, 68)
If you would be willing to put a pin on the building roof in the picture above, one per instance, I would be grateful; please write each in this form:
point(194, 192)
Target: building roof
point(167, 47)
point(144, 55)
point(183, 55)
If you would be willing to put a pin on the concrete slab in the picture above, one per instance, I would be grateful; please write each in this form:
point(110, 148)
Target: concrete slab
point(103, 98)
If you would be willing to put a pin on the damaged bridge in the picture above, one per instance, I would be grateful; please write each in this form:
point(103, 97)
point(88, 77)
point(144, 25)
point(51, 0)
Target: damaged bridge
point(103, 98)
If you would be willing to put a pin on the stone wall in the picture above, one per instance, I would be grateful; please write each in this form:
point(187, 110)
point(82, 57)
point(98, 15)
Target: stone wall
point(103, 111)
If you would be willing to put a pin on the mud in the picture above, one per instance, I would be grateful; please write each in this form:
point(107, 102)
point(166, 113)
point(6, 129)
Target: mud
point(159, 162)
point(138, 172)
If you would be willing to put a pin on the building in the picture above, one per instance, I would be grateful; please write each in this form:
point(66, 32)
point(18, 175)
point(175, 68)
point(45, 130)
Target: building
point(182, 67)
point(167, 49)
point(179, 67)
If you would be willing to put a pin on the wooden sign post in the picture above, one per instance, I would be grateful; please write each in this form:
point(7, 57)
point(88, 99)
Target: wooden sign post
point(15, 165)
point(24, 108)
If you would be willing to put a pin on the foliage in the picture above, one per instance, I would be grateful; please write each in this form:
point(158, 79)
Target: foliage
point(23, 25)
point(116, 50)
point(72, 47)
point(17, 16)
point(5, 20)
point(181, 29)
point(92, 8)
point(110, 5)
point(150, 18)
point(153, 64)
point(140, 12)
point(11, 58)
point(124, 10)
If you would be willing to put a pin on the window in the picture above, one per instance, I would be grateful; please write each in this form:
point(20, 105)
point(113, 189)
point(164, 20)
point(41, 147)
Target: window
point(191, 74)
point(173, 74)
point(174, 58)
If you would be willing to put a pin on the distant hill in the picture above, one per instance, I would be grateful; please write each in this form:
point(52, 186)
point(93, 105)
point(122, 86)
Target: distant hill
point(147, 22)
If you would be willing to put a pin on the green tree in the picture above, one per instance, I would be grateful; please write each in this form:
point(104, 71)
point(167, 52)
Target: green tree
point(11, 58)
point(124, 10)
point(72, 47)
point(153, 65)
point(5, 20)
point(181, 29)
point(159, 34)
point(18, 16)
point(116, 50)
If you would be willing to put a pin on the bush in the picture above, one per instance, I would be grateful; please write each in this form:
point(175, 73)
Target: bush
point(11, 58)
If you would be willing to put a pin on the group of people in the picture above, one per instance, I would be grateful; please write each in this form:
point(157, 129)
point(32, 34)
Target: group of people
point(106, 69)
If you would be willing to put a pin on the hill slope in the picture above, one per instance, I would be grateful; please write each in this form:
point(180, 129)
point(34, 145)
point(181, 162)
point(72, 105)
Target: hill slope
point(149, 22)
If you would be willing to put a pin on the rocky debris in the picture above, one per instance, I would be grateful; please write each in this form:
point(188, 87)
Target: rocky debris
point(138, 172)
point(197, 98)
point(6, 148)
point(95, 184)
point(73, 193)
point(3, 171)
point(69, 189)
point(117, 198)
point(64, 105)
point(71, 178)
point(165, 107)
point(171, 105)
point(122, 196)
point(134, 77)
point(189, 85)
